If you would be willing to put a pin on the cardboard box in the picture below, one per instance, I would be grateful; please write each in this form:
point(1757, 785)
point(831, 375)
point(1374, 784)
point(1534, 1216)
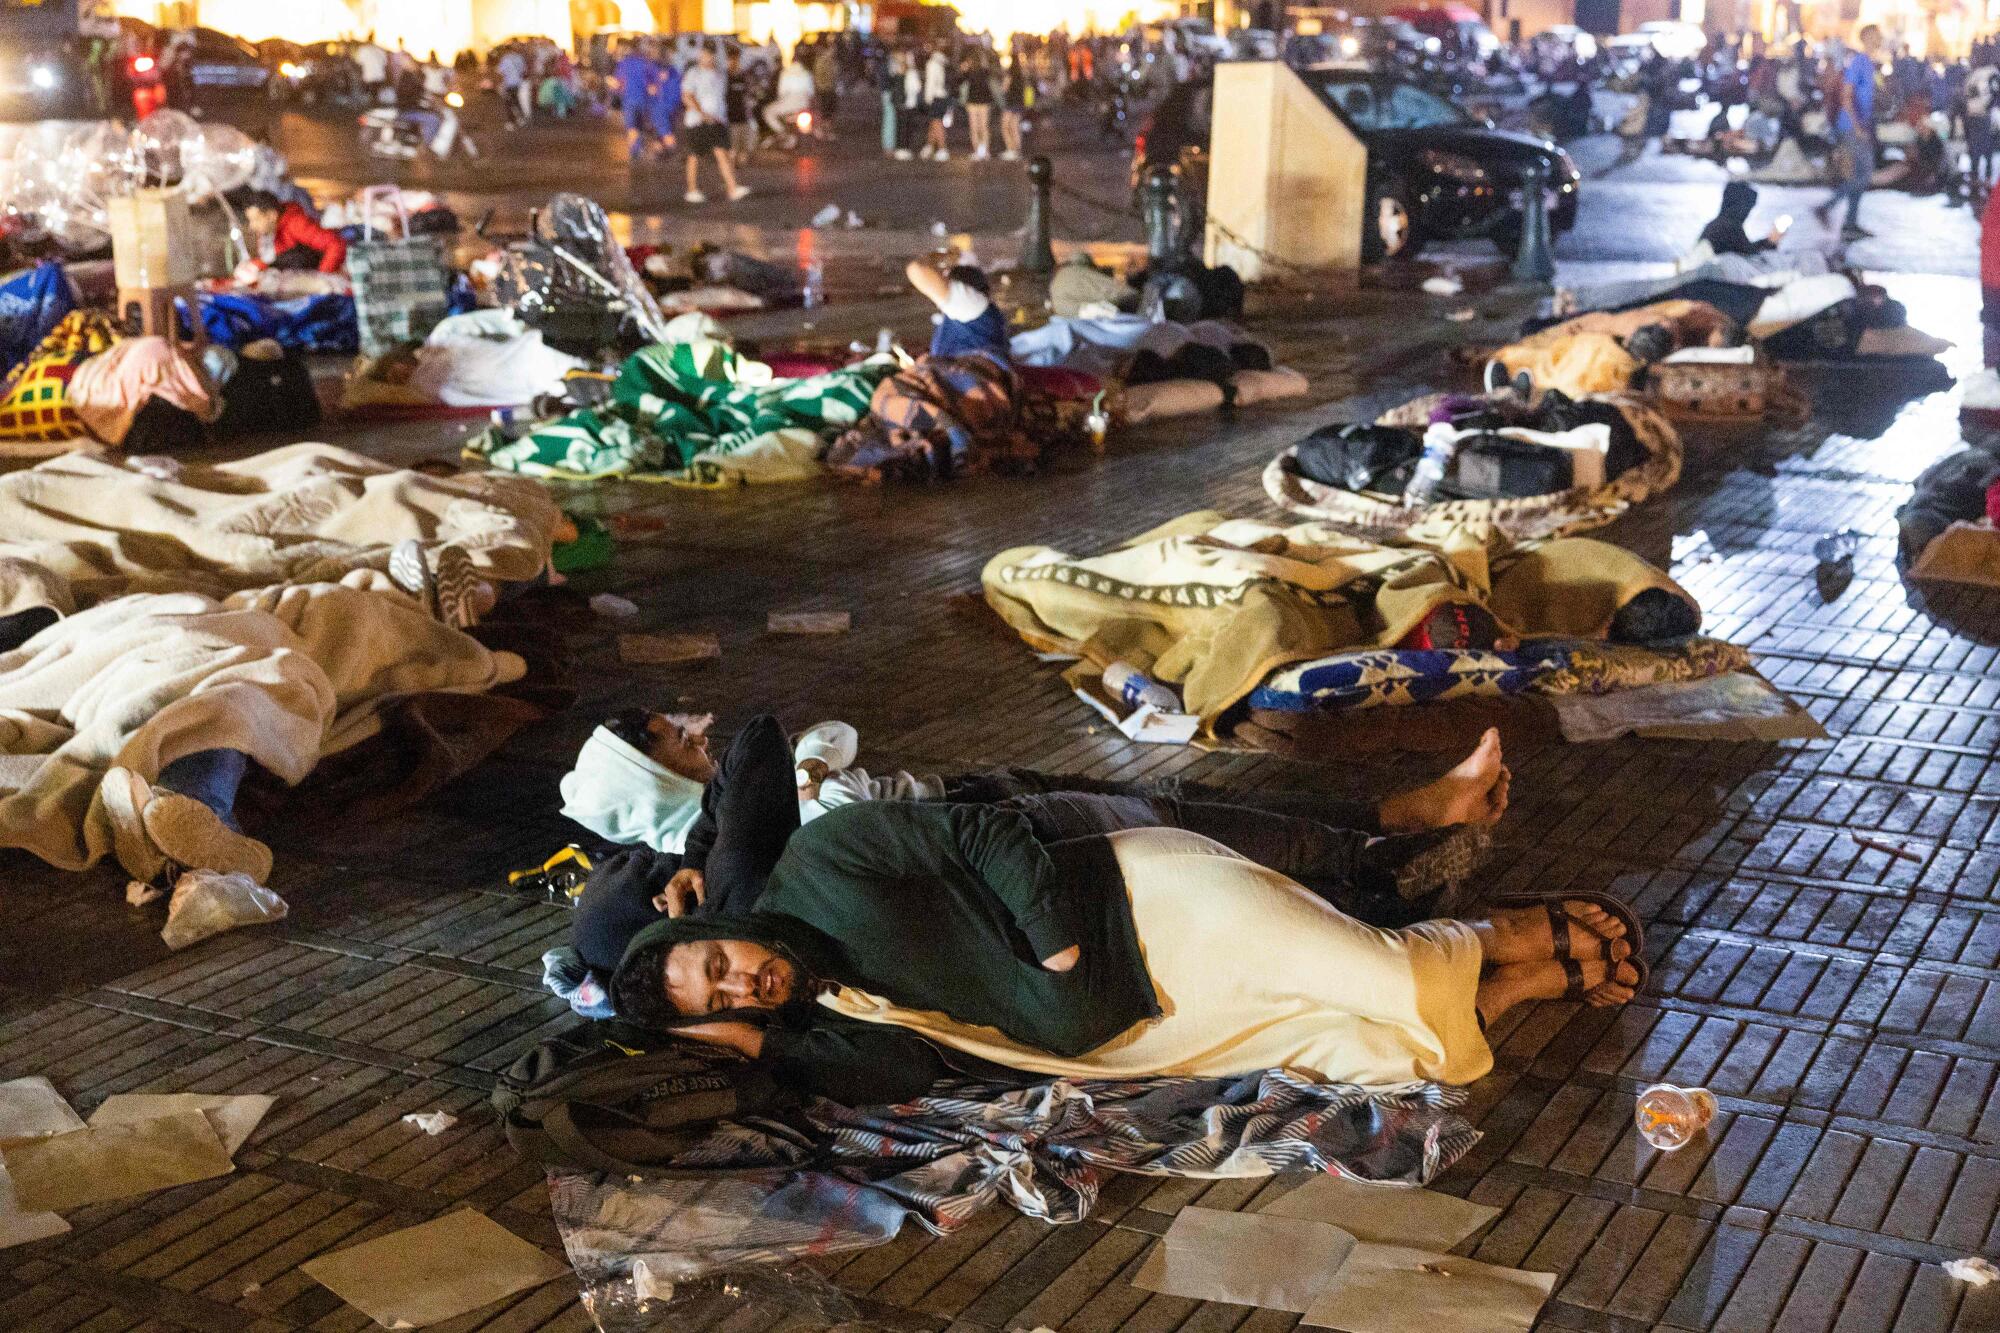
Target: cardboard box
point(152, 240)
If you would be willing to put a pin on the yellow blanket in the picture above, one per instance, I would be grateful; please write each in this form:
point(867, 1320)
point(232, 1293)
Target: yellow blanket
point(77, 530)
point(1214, 605)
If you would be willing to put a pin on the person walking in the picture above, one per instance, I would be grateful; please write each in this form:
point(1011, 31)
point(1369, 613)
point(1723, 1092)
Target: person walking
point(1854, 133)
point(664, 106)
point(636, 73)
point(1981, 86)
point(826, 89)
point(705, 113)
point(910, 87)
point(892, 95)
point(742, 125)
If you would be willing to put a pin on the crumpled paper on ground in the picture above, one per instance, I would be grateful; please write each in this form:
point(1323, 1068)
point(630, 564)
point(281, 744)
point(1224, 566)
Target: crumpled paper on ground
point(431, 1122)
point(1976, 1270)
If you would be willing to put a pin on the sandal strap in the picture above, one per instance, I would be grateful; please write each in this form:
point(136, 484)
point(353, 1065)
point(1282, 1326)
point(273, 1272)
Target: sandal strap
point(1559, 923)
point(1573, 987)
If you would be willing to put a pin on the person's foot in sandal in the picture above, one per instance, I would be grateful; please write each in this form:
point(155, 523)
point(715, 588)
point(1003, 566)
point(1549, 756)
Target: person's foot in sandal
point(1527, 934)
point(1597, 982)
point(194, 836)
point(1473, 792)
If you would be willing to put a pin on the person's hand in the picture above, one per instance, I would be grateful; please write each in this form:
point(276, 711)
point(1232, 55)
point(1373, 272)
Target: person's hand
point(684, 892)
point(1064, 961)
point(743, 1038)
point(814, 771)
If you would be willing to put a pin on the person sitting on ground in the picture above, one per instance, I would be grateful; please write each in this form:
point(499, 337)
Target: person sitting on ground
point(1726, 235)
point(285, 237)
point(971, 323)
point(897, 943)
point(701, 837)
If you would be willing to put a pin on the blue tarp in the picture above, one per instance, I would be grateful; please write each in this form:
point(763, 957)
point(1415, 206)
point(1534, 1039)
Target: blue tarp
point(301, 324)
point(30, 306)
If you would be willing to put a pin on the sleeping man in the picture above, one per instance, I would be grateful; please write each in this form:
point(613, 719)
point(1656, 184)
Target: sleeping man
point(897, 943)
point(701, 838)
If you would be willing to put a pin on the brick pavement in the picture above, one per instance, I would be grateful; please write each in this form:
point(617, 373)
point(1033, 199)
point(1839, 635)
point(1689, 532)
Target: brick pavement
point(1841, 1003)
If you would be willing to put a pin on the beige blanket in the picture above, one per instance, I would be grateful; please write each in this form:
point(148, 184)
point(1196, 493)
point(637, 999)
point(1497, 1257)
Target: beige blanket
point(284, 674)
point(75, 531)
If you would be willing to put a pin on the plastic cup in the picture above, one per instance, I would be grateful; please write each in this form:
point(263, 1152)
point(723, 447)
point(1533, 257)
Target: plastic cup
point(1669, 1117)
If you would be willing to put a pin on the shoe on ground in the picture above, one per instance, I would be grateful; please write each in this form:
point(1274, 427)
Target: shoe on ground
point(409, 571)
point(457, 587)
point(904, 155)
point(741, 192)
point(126, 796)
point(194, 836)
point(928, 153)
point(981, 155)
point(1010, 156)
point(695, 197)
point(944, 154)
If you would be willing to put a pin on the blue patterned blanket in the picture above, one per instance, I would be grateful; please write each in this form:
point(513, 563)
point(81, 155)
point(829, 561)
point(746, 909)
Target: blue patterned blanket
point(1390, 676)
point(1044, 1149)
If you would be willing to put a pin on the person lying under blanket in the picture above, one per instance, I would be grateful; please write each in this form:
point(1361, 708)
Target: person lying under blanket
point(896, 943)
point(702, 837)
point(125, 729)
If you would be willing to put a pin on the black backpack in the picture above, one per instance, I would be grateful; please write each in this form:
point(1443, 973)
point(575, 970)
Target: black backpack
point(1359, 457)
point(587, 1102)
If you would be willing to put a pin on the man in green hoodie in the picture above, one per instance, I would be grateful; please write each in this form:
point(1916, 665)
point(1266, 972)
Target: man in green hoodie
point(896, 943)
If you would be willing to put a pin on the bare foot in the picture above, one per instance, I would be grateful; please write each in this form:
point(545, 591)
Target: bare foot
point(1606, 984)
point(1522, 935)
point(1475, 792)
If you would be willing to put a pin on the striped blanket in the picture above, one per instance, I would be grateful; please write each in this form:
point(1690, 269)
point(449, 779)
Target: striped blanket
point(695, 413)
point(943, 415)
point(1044, 1149)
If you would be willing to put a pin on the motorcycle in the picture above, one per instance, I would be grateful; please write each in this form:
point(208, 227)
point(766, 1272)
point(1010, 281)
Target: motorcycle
point(433, 127)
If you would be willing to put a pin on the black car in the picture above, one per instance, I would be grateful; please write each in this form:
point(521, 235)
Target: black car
point(222, 63)
point(1434, 172)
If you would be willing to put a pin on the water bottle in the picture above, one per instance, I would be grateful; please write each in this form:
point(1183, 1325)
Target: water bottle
point(1440, 442)
point(1127, 683)
point(1669, 1117)
point(815, 288)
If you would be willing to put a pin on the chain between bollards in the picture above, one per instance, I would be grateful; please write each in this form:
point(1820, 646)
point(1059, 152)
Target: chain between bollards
point(1037, 254)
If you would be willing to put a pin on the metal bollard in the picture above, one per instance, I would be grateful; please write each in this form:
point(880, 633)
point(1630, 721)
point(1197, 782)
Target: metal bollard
point(1162, 247)
point(1536, 262)
point(1037, 256)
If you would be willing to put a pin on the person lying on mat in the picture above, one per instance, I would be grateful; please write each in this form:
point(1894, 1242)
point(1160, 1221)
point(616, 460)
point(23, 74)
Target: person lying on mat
point(897, 943)
point(702, 836)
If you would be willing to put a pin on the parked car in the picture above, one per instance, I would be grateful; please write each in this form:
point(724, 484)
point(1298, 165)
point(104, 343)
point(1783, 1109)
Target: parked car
point(224, 63)
point(1667, 37)
point(1434, 172)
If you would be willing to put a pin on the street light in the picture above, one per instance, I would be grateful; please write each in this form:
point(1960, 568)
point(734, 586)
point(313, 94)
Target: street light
point(42, 77)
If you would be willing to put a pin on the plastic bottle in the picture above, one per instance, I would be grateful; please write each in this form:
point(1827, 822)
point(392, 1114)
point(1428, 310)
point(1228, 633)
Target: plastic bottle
point(1126, 682)
point(815, 289)
point(1669, 1117)
point(1440, 442)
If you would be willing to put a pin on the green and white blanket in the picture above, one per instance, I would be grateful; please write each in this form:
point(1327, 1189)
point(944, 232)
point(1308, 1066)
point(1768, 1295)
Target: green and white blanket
point(694, 413)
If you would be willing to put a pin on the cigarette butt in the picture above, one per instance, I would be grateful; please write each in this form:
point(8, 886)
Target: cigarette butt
point(1887, 848)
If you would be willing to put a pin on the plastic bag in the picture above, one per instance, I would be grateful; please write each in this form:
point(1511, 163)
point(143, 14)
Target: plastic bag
point(205, 903)
point(647, 1299)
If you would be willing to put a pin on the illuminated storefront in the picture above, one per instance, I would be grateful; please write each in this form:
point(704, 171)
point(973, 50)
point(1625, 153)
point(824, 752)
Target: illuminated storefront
point(421, 25)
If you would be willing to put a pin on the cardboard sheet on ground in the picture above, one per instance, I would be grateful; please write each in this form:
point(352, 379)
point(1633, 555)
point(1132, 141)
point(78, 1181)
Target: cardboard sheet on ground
point(1962, 553)
point(1395, 1289)
point(1384, 1214)
point(1279, 1263)
point(234, 1117)
point(100, 1162)
point(30, 1108)
point(434, 1272)
point(1737, 706)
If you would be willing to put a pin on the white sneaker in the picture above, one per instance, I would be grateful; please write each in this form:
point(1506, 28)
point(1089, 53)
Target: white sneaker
point(927, 153)
point(944, 154)
point(126, 795)
point(904, 154)
point(981, 155)
point(1010, 156)
point(740, 192)
point(695, 197)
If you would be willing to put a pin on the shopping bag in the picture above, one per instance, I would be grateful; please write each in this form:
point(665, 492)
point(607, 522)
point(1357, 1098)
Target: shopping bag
point(402, 287)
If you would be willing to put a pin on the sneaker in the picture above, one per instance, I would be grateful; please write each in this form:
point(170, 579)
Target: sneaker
point(928, 153)
point(457, 588)
point(738, 194)
point(695, 197)
point(904, 155)
point(409, 571)
point(944, 155)
point(1010, 156)
point(981, 154)
point(125, 795)
point(194, 836)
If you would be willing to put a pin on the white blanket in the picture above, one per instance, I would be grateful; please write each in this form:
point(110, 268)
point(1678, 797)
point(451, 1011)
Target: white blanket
point(77, 530)
point(285, 675)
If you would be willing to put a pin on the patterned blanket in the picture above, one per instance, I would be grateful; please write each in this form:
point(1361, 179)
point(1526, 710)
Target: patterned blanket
point(940, 416)
point(1044, 1149)
point(694, 413)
